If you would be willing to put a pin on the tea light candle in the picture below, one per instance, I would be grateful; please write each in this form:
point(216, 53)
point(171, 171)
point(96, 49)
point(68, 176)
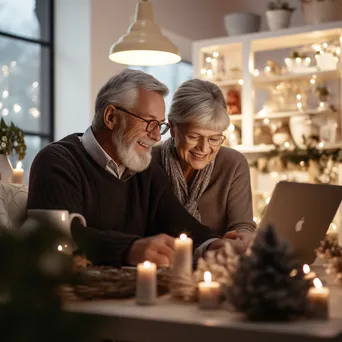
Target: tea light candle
point(182, 259)
point(209, 293)
point(18, 174)
point(309, 275)
point(318, 297)
point(146, 289)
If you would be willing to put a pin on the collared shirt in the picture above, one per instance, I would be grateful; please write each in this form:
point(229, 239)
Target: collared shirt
point(99, 155)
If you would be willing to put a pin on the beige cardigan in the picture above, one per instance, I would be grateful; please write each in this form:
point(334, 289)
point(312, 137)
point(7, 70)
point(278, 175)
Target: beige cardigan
point(226, 204)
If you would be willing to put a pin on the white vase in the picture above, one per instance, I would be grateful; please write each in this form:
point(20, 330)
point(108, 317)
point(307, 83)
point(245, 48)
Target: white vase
point(321, 11)
point(6, 170)
point(278, 19)
point(302, 127)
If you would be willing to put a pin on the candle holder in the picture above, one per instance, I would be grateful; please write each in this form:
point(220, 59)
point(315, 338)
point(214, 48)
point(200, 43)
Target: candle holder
point(146, 293)
point(318, 297)
point(209, 293)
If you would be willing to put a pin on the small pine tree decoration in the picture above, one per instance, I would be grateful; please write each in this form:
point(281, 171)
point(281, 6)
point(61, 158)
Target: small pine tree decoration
point(269, 284)
point(222, 264)
point(329, 248)
point(336, 268)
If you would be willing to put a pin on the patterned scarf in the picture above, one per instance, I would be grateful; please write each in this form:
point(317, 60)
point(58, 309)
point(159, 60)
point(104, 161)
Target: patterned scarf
point(188, 197)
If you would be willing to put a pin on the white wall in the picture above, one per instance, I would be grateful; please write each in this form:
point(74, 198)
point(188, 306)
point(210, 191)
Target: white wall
point(85, 30)
point(72, 66)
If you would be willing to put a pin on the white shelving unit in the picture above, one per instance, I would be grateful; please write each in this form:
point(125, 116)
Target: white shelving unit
point(245, 47)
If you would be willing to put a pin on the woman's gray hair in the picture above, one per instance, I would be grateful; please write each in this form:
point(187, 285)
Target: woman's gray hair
point(200, 103)
point(121, 90)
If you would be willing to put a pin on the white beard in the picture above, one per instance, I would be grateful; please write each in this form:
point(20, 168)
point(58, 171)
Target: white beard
point(127, 154)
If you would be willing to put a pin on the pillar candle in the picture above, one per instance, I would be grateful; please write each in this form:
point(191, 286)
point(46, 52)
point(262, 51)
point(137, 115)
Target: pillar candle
point(182, 259)
point(209, 293)
point(146, 287)
point(318, 297)
point(18, 174)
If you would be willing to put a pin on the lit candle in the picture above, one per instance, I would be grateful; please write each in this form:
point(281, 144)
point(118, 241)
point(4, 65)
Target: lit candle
point(18, 174)
point(209, 293)
point(182, 259)
point(318, 297)
point(309, 275)
point(146, 287)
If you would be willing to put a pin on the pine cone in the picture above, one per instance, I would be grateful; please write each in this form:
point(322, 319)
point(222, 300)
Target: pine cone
point(329, 248)
point(269, 284)
point(221, 263)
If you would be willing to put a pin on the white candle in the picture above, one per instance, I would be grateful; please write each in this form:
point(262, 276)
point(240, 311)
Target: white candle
point(209, 293)
point(309, 275)
point(146, 290)
point(18, 174)
point(182, 259)
point(318, 297)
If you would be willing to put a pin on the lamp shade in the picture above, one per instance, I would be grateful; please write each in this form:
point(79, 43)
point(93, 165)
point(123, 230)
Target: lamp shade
point(144, 43)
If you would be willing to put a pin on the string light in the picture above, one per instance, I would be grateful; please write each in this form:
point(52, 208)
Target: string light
point(209, 72)
point(34, 112)
point(13, 64)
point(16, 108)
point(215, 54)
point(35, 84)
point(312, 81)
point(266, 121)
point(4, 70)
point(299, 97)
point(240, 82)
point(231, 127)
point(299, 105)
point(256, 72)
point(321, 144)
point(268, 200)
point(203, 71)
point(286, 144)
point(1, 105)
point(302, 163)
point(208, 59)
point(5, 94)
point(5, 112)
point(325, 45)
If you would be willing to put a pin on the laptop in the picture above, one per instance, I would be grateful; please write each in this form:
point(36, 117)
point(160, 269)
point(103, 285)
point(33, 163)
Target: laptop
point(301, 213)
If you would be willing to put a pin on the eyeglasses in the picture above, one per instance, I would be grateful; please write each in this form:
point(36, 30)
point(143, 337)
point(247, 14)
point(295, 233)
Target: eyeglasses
point(193, 139)
point(151, 124)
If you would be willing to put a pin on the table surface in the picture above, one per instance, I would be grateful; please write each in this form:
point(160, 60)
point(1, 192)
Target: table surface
point(170, 320)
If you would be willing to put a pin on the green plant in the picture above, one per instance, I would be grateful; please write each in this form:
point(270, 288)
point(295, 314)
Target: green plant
point(280, 5)
point(12, 139)
point(296, 54)
point(322, 91)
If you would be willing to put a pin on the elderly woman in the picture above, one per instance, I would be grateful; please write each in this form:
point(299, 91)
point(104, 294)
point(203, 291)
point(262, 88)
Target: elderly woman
point(212, 182)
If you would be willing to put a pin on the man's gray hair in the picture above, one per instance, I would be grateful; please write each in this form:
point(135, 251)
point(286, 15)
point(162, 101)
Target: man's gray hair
point(200, 103)
point(122, 90)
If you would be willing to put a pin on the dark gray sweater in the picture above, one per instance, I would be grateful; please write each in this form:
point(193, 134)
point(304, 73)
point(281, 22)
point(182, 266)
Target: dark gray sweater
point(64, 176)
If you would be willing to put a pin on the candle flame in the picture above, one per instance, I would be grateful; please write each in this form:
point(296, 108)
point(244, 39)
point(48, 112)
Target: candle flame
point(207, 277)
point(306, 269)
point(147, 264)
point(318, 284)
point(60, 248)
point(19, 165)
point(63, 216)
point(183, 237)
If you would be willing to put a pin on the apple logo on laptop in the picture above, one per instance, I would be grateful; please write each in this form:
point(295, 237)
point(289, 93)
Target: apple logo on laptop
point(299, 225)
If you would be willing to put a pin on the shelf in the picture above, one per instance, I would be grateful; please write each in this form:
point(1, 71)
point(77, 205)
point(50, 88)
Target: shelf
point(272, 40)
point(280, 115)
point(235, 117)
point(263, 148)
point(320, 75)
point(229, 83)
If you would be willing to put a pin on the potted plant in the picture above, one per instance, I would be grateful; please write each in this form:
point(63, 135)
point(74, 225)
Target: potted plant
point(278, 15)
point(321, 11)
point(297, 62)
point(11, 140)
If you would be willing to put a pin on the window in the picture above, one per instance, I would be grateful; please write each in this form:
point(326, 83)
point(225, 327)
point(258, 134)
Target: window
point(26, 71)
point(172, 76)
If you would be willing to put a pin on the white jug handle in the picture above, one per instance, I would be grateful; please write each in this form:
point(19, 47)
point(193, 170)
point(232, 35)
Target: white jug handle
point(83, 220)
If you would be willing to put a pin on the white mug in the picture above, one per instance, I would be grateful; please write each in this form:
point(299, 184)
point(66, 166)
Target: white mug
point(58, 219)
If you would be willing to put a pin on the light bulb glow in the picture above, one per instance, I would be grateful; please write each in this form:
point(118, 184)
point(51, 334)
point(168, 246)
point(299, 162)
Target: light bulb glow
point(207, 277)
point(317, 283)
point(183, 237)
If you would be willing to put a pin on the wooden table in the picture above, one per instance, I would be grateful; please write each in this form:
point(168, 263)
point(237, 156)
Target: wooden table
point(171, 321)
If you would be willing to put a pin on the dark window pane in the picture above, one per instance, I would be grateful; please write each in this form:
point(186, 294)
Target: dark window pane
point(25, 85)
point(26, 18)
point(34, 145)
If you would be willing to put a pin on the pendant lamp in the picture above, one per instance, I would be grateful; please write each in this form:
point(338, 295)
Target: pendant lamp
point(144, 43)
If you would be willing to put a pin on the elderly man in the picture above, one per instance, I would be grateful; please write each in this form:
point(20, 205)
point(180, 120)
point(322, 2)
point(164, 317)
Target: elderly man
point(107, 175)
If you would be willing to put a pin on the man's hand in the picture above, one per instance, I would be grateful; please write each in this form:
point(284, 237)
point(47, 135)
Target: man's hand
point(239, 240)
point(158, 249)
